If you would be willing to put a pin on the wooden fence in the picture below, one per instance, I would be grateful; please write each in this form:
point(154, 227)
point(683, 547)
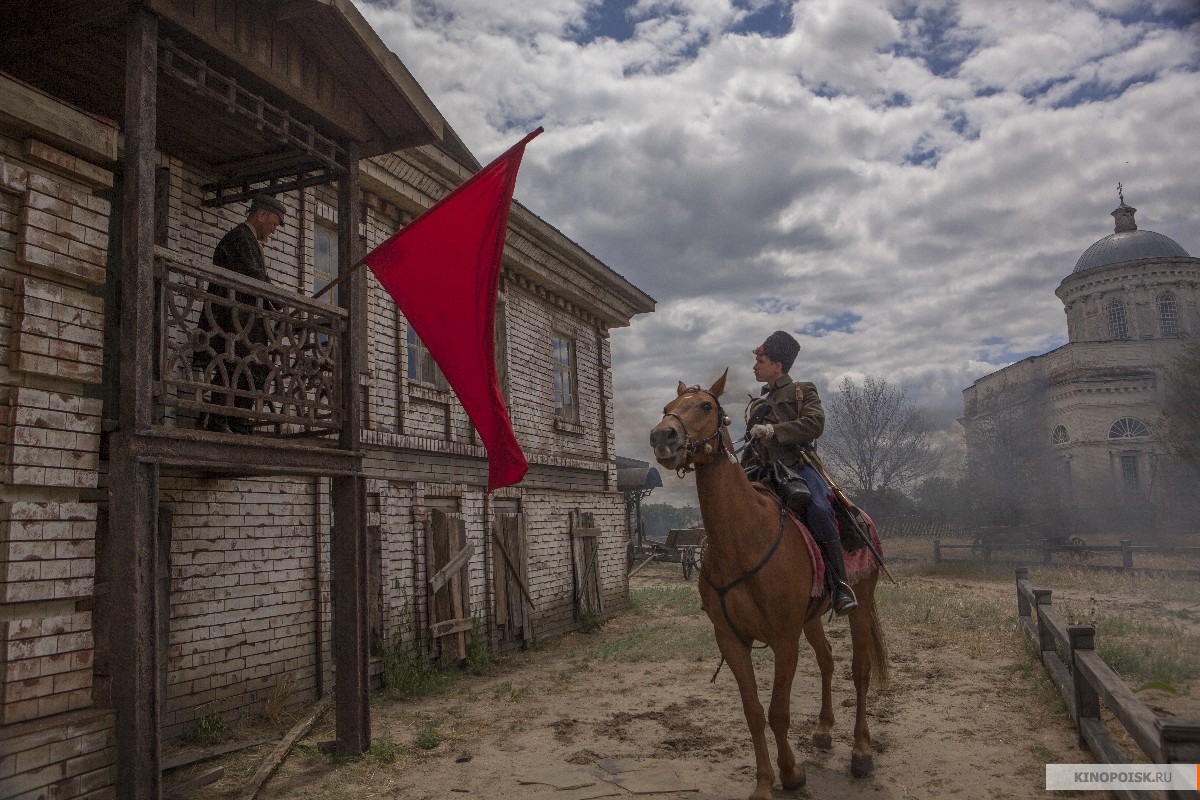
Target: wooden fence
point(1045, 550)
point(1085, 682)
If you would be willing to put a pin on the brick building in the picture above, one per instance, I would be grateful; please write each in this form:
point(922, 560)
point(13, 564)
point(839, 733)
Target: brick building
point(154, 573)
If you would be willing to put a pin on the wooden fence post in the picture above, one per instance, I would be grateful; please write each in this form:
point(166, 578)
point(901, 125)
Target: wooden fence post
point(1127, 554)
point(1087, 701)
point(1022, 602)
point(937, 551)
point(1041, 598)
point(1180, 744)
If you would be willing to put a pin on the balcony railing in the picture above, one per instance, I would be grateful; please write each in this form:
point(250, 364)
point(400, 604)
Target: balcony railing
point(240, 350)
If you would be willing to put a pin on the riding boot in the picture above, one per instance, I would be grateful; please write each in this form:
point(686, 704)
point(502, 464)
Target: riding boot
point(843, 601)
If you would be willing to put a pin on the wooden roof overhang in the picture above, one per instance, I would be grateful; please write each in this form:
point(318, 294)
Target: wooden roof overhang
point(253, 93)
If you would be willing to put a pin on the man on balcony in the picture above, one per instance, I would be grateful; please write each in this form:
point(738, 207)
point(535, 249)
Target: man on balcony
point(231, 342)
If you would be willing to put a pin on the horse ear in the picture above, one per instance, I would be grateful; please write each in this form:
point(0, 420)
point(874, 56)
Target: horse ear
point(717, 388)
point(681, 389)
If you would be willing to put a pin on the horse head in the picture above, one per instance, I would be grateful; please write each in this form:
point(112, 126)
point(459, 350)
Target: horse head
point(691, 430)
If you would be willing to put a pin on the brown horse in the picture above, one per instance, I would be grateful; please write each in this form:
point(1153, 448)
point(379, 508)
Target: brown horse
point(755, 584)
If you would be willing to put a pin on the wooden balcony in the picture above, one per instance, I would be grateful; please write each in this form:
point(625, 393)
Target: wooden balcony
point(259, 362)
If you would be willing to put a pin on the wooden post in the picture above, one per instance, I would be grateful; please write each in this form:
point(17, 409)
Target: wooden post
point(937, 551)
point(1087, 701)
point(348, 549)
point(133, 484)
point(1180, 744)
point(1127, 555)
point(1041, 598)
point(1022, 600)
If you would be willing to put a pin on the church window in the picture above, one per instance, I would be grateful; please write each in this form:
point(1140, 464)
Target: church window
point(1118, 326)
point(1060, 435)
point(1129, 471)
point(1168, 314)
point(1128, 428)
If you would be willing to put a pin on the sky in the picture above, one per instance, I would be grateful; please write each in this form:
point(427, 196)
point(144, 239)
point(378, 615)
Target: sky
point(901, 184)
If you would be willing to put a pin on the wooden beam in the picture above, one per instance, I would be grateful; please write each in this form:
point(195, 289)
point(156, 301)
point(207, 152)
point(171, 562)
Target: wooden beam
point(452, 566)
point(272, 762)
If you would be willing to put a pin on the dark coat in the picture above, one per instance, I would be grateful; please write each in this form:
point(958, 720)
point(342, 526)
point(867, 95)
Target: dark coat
point(240, 252)
point(799, 419)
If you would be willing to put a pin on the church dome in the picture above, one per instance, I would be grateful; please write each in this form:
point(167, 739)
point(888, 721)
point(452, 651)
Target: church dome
point(1127, 243)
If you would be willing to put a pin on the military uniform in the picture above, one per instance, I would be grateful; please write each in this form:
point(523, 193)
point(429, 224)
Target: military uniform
point(793, 413)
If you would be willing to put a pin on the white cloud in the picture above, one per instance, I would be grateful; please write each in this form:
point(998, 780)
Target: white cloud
point(932, 168)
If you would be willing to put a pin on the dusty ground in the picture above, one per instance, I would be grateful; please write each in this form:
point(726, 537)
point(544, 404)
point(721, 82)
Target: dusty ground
point(964, 716)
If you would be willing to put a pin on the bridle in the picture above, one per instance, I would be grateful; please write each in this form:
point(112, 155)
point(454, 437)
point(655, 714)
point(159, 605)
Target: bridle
point(693, 446)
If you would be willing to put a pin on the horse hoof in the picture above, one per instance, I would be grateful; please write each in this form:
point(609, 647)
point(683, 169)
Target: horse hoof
point(861, 766)
point(822, 741)
point(795, 780)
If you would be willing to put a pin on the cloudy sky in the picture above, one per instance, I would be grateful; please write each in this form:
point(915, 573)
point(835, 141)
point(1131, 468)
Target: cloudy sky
point(900, 183)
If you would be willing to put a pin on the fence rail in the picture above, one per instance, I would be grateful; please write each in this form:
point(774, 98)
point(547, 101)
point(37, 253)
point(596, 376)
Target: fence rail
point(1047, 549)
point(1086, 683)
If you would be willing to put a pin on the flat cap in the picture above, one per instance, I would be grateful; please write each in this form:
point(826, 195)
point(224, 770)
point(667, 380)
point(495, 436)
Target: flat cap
point(266, 202)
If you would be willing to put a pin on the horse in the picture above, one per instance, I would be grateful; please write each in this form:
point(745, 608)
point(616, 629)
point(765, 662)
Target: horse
point(756, 585)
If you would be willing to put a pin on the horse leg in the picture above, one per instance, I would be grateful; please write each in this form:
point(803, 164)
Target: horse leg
point(863, 621)
point(791, 774)
point(737, 656)
point(814, 632)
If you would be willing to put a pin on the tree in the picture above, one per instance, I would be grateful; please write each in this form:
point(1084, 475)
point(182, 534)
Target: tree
point(1182, 409)
point(877, 439)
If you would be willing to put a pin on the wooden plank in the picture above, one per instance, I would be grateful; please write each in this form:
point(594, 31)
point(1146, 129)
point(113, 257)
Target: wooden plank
point(184, 759)
point(276, 757)
point(182, 789)
point(1137, 718)
point(452, 567)
point(437, 549)
point(585, 533)
point(634, 571)
point(1061, 678)
point(56, 122)
point(520, 553)
point(500, 580)
point(459, 602)
point(513, 570)
point(451, 626)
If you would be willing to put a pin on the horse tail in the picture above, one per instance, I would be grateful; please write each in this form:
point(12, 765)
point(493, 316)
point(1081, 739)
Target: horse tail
point(879, 650)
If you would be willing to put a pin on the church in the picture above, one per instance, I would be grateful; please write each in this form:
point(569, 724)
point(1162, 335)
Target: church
point(1074, 437)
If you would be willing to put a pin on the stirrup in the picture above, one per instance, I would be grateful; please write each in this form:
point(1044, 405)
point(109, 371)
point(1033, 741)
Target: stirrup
point(847, 603)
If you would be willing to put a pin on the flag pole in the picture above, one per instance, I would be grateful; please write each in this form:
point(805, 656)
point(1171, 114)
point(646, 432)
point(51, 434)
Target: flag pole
point(348, 273)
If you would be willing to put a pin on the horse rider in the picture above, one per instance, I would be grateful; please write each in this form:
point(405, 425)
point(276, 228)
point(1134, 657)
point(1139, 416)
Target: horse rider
point(782, 426)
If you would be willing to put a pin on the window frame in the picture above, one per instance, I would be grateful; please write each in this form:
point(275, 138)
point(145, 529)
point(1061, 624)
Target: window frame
point(1128, 428)
point(565, 377)
point(1118, 319)
point(1168, 310)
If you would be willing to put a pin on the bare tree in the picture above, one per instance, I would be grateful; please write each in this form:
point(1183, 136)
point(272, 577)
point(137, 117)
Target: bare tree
point(876, 438)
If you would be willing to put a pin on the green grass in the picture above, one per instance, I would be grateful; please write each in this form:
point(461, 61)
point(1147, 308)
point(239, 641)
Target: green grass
point(660, 601)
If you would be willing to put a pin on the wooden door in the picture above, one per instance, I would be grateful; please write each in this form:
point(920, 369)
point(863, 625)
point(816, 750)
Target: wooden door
point(512, 607)
point(585, 558)
point(449, 602)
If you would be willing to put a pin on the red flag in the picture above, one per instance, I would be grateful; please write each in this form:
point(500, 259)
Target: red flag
point(443, 271)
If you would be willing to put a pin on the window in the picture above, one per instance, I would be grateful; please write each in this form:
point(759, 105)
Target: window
point(566, 404)
point(421, 366)
point(1129, 471)
point(1168, 314)
point(1118, 328)
point(1060, 435)
point(325, 260)
point(1128, 428)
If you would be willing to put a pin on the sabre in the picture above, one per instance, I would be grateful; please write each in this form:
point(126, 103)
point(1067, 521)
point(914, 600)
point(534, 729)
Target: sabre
point(851, 512)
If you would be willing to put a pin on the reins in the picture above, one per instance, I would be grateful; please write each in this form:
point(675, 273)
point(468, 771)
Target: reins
point(721, 591)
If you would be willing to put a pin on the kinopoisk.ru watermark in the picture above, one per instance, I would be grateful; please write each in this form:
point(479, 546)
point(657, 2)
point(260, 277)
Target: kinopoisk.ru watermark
point(1101, 777)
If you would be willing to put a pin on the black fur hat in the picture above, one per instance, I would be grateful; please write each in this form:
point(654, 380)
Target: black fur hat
point(781, 347)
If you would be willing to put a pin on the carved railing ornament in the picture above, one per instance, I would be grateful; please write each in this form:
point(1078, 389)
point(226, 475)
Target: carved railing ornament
point(238, 347)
